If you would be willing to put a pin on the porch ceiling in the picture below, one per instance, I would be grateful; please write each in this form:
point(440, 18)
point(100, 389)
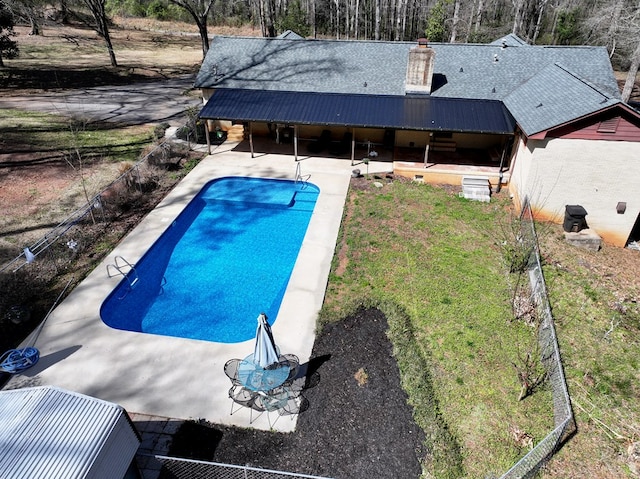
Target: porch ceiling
point(366, 111)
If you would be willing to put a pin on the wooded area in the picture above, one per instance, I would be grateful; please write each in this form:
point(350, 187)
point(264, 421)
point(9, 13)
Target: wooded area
point(612, 23)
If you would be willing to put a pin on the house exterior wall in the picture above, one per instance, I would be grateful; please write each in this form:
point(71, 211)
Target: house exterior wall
point(521, 167)
point(411, 139)
point(594, 174)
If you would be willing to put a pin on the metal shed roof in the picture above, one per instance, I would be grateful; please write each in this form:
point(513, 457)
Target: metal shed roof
point(50, 432)
point(367, 111)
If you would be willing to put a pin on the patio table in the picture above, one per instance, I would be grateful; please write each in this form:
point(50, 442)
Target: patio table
point(256, 378)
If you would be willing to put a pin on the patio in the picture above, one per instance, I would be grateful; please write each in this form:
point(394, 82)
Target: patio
point(179, 378)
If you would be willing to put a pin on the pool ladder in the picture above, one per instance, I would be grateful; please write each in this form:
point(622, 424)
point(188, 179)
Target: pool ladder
point(116, 268)
point(300, 178)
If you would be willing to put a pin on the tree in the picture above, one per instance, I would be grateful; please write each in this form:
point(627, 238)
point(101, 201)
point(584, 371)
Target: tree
point(8, 47)
point(631, 75)
point(295, 20)
point(199, 11)
point(31, 10)
point(101, 25)
point(435, 30)
point(617, 25)
point(566, 27)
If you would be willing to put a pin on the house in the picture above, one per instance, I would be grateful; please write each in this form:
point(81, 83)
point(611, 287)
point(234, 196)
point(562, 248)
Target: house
point(50, 432)
point(546, 122)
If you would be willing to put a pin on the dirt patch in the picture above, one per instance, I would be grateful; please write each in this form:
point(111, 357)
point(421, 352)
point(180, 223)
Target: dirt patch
point(358, 424)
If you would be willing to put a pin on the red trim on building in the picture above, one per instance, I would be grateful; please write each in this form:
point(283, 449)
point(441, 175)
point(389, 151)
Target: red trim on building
point(616, 123)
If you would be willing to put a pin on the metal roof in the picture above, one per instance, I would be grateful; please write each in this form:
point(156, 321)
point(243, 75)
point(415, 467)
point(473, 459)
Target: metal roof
point(50, 432)
point(366, 111)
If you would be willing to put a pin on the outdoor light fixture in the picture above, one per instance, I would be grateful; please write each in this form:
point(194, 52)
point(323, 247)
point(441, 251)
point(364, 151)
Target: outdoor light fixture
point(621, 207)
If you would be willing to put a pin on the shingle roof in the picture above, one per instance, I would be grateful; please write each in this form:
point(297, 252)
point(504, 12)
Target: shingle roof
point(552, 97)
point(375, 68)
point(472, 71)
point(381, 111)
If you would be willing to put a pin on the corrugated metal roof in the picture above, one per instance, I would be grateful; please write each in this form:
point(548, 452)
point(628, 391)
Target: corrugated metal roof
point(368, 111)
point(47, 432)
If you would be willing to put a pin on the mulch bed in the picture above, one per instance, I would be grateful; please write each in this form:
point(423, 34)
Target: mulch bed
point(358, 424)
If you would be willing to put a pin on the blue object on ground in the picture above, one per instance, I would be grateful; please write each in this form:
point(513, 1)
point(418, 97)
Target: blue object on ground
point(17, 360)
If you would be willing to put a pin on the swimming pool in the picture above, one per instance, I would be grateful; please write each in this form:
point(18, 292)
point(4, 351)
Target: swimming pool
point(225, 259)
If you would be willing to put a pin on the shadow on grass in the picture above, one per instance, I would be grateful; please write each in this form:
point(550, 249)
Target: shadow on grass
point(60, 78)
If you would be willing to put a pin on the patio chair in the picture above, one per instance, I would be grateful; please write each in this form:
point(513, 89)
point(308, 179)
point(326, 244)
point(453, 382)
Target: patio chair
point(285, 402)
point(293, 362)
point(245, 398)
point(231, 370)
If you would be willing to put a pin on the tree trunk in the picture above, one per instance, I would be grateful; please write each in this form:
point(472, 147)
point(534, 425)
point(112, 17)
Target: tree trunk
point(479, 15)
point(543, 4)
point(33, 21)
point(377, 20)
point(631, 76)
point(104, 33)
point(357, 22)
point(456, 19)
point(64, 12)
point(204, 36)
point(102, 26)
point(517, 16)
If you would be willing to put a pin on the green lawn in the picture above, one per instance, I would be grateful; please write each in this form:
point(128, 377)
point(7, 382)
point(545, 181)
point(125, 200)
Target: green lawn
point(438, 259)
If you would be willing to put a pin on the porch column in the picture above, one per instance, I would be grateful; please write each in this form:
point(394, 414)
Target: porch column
point(353, 145)
point(251, 137)
point(426, 150)
point(208, 132)
point(295, 142)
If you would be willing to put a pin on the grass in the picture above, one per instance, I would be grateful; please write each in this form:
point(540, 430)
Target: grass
point(44, 132)
point(598, 322)
point(435, 257)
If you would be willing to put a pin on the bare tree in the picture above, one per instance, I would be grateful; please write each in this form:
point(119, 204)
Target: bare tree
point(377, 20)
point(631, 75)
point(541, 5)
point(456, 19)
point(199, 11)
point(618, 26)
point(102, 25)
point(30, 10)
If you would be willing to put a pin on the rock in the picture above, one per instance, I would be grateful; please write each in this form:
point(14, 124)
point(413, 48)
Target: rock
point(586, 238)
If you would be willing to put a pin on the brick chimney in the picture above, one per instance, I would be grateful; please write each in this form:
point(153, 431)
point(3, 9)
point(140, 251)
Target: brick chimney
point(420, 68)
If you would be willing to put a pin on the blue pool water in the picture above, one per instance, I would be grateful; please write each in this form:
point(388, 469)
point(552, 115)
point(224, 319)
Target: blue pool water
point(225, 259)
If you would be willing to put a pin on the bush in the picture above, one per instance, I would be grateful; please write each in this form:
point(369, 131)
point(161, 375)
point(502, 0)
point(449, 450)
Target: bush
point(126, 8)
point(158, 9)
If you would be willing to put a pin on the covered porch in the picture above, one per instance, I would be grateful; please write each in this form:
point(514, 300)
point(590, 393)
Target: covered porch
point(431, 139)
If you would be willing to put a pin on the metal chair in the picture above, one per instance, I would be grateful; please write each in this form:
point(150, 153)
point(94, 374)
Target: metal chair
point(231, 370)
point(246, 398)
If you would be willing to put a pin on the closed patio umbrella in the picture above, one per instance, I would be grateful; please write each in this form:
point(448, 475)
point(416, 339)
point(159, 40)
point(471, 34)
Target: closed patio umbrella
point(265, 353)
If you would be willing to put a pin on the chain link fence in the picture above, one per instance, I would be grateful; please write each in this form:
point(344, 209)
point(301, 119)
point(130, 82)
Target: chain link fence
point(174, 468)
point(137, 184)
point(564, 422)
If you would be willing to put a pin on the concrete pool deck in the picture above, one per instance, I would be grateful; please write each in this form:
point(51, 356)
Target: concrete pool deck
point(182, 378)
